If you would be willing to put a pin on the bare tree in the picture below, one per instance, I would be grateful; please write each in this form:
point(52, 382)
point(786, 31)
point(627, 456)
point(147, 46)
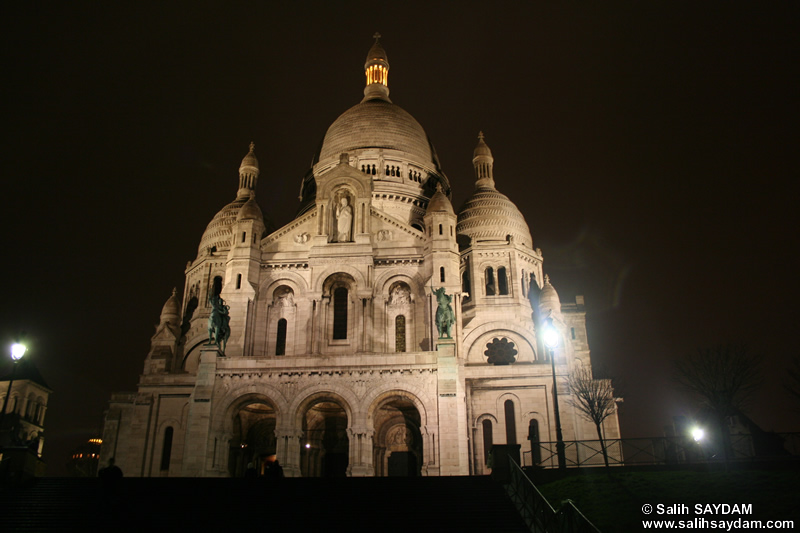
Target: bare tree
point(792, 382)
point(594, 398)
point(722, 378)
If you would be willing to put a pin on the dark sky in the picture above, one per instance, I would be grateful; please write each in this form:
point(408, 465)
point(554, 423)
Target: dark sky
point(650, 146)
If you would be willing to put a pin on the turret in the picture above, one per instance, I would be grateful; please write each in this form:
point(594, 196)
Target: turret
point(164, 344)
point(248, 173)
point(484, 162)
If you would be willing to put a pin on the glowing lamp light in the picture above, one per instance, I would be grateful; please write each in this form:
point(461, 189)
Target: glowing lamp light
point(17, 351)
point(550, 337)
point(308, 446)
point(698, 434)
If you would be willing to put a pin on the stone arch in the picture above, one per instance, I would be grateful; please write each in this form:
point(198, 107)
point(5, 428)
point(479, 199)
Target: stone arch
point(384, 281)
point(250, 423)
point(325, 420)
point(282, 333)
point(535, 434)
point(354, 184)
point(160, 448)
point(396, 419)
point(484, 440)
point(510, 427)
point(476, 340)
point(324, 279)
point(191, 359)
point(294, 280)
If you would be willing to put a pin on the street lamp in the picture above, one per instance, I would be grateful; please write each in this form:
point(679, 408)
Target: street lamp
point(17, 351)
point(551, 341)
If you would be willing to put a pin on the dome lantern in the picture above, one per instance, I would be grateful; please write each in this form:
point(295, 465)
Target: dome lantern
point(248, 173)
point(484, 162)
point(376, 69)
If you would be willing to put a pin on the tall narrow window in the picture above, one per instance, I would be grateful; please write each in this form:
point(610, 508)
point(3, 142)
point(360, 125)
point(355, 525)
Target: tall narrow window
point(400, 333)
point(511, 424)
point(490, 282)
point(280, 341)
point(244, 236)
point(238, 281)
point(166, 450)
point(502, 281)
point(487, 439)
point(216, 288)
point(465, 280)
point(441, 274)
point(340, 313)
point(533, 436)
point(572, 333)
point(440, 229)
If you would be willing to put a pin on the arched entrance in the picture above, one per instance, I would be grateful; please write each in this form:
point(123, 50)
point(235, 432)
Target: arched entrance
point(325, 447)
point(397, 449)
point(253, 438)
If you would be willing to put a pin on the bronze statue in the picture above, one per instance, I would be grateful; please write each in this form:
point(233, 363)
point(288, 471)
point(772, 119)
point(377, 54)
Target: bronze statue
point(444, 313)
point(218, 329)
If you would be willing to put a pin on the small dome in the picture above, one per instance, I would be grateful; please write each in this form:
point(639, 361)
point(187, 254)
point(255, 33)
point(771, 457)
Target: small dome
point(250, 211)
point(549, 302)
point(377, 53)
point(482, 149)
point(218, 232)
point(249, 162)
point(439, 202)
point(489, 215)
point(171, 311)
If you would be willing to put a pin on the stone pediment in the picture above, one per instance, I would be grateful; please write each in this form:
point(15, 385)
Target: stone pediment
point(296, 235)
point(385, 228)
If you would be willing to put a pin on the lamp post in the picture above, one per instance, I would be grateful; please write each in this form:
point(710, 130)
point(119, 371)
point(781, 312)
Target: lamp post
point(17, 351)
point(551, 341)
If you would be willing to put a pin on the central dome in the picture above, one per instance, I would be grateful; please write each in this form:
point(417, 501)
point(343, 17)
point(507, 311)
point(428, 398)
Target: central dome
point(377, 124)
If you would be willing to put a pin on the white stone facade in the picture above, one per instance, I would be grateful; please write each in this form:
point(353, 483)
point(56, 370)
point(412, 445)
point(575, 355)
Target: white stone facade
point(334, 363)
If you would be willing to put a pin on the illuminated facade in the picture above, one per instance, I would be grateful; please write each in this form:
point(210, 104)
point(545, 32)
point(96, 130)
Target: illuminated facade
point(23, 421)
point(334, 363)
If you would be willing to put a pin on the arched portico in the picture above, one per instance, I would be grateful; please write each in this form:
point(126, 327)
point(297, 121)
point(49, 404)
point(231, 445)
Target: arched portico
point(251, 421)
point(398, 448)
point(323, 419)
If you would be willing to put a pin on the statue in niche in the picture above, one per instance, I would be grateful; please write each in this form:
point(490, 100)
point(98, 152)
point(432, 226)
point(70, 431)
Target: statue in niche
point(444, 314)
point(284, 297)
point(218, 328)
point(344, 220)
point(399, 295)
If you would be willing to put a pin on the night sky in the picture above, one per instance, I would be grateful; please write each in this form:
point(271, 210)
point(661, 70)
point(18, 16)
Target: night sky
point(649, 145)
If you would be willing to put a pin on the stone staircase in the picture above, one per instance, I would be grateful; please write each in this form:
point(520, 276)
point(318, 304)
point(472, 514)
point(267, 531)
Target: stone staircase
point(295, 504)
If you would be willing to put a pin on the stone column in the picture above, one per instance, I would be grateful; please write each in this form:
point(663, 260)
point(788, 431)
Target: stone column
point(430, 451)
point(288, 450)
point(360, 452)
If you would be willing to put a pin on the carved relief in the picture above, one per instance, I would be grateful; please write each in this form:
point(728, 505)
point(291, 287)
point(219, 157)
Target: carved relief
point(399, 294)
point(302, 238)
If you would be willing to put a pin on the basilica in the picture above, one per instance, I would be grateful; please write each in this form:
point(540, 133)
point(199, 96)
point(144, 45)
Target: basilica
point(378, 333)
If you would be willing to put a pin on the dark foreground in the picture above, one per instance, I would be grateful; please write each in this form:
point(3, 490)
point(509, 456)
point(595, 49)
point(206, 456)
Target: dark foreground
point(346, 504)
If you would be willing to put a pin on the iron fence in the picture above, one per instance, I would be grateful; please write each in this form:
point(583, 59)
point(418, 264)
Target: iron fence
point(665, 450)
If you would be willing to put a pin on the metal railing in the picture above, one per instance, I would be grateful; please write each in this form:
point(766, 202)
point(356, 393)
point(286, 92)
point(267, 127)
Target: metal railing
point(665, 451)
point(536, 511)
